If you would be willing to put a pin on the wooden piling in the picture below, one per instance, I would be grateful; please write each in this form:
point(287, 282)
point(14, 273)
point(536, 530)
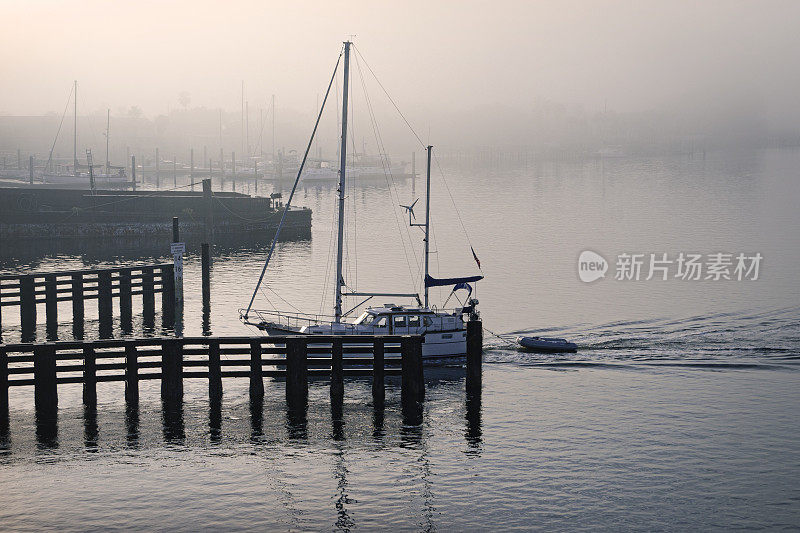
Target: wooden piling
point(51, 306)
point(214, 372)
point(3, 381)
point(77, 305)
point(148, 296)
point(337, 372)
point(172, 371)
point(205, 260)
point(131, 373)
point(27, 307)
point(378, 389)
point(256, 373)
point(209, 210)
point(125, 300)
point(296, 372)
point(44, 375)
point(412, 387)
point(30, 169)
point(89, 376)
point(474, 356)
point(176, 236)
point(105, 307)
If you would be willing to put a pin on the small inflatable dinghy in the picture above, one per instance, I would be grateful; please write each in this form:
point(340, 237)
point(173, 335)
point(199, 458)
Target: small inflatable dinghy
point(546, 345)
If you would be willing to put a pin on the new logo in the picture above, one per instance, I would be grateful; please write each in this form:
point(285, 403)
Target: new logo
point(591, 266)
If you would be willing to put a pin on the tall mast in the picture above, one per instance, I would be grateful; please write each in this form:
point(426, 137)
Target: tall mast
point(108, 126)
point(75, 130)
point(273, 130)
point(427, 221)
point(243, 134)
point(342, 164)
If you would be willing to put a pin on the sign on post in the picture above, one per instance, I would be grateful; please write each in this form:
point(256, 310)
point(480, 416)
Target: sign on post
point(177, 249)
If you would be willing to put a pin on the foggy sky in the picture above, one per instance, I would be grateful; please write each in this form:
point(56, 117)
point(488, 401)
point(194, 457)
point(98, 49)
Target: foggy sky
point(433, 56)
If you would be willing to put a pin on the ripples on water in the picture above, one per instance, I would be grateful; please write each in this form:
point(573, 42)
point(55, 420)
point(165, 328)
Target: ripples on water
point(722, 339)
point(677, 413)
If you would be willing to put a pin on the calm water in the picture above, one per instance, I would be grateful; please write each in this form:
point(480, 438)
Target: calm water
point(678, 412)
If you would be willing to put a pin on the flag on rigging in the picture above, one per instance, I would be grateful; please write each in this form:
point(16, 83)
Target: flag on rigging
point(476, 257)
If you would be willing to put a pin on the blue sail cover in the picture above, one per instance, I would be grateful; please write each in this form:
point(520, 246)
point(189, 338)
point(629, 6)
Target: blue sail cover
point(433, 282)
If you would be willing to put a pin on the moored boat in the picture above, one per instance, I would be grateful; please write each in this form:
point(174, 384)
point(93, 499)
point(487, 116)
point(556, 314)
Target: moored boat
point(443, 330)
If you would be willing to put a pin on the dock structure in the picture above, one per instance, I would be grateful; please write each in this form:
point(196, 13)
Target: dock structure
point(295, 359)
point(40, 213)
point(25, 291)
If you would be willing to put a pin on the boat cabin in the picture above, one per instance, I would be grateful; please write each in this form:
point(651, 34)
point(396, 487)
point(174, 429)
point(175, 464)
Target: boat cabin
point(399, 320)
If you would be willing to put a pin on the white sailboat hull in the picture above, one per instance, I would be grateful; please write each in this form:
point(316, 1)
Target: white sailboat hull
point(435, 345)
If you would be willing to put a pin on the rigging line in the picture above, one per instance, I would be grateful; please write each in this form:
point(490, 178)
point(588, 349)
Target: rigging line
point(69, 99)
point(463, 227)
point(452, 200)
point(358, 52)
point(264, 294)
point(294, 187)
point(328, 261)
point(389, 178)
point(261, 130)
point(273, 291)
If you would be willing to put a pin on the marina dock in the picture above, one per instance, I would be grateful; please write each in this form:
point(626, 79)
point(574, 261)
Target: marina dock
point(38, 213)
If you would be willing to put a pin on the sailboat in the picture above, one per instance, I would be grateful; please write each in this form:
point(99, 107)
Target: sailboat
point(75, 177)
point(443, 330)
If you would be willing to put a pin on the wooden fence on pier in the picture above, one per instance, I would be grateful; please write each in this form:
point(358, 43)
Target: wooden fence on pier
point(171, 360)
point(102, 284)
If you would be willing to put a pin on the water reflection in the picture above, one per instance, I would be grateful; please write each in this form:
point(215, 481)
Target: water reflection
point(5, 430)
point(132, 424)
point(40, 254)
point(256, 418)
point(337, 419)
point(473, 432)
point(410, 435)
point(174, 431)
point(412, 413)
point(344, 522)
point(215, 419)
point(90, 428)
point(46, 429)
point(378, 419)
point(297, 418)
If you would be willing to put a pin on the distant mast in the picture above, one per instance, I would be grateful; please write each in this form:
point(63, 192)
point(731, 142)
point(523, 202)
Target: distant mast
point(273, 130)
point(108, 128)
point(342, 164)
point(75, 130)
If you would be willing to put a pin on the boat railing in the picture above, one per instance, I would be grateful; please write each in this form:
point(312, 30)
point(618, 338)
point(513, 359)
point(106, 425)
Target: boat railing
point(322, 323)
point(293, 320)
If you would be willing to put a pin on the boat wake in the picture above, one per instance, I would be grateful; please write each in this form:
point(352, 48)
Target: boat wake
point(763, 339)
